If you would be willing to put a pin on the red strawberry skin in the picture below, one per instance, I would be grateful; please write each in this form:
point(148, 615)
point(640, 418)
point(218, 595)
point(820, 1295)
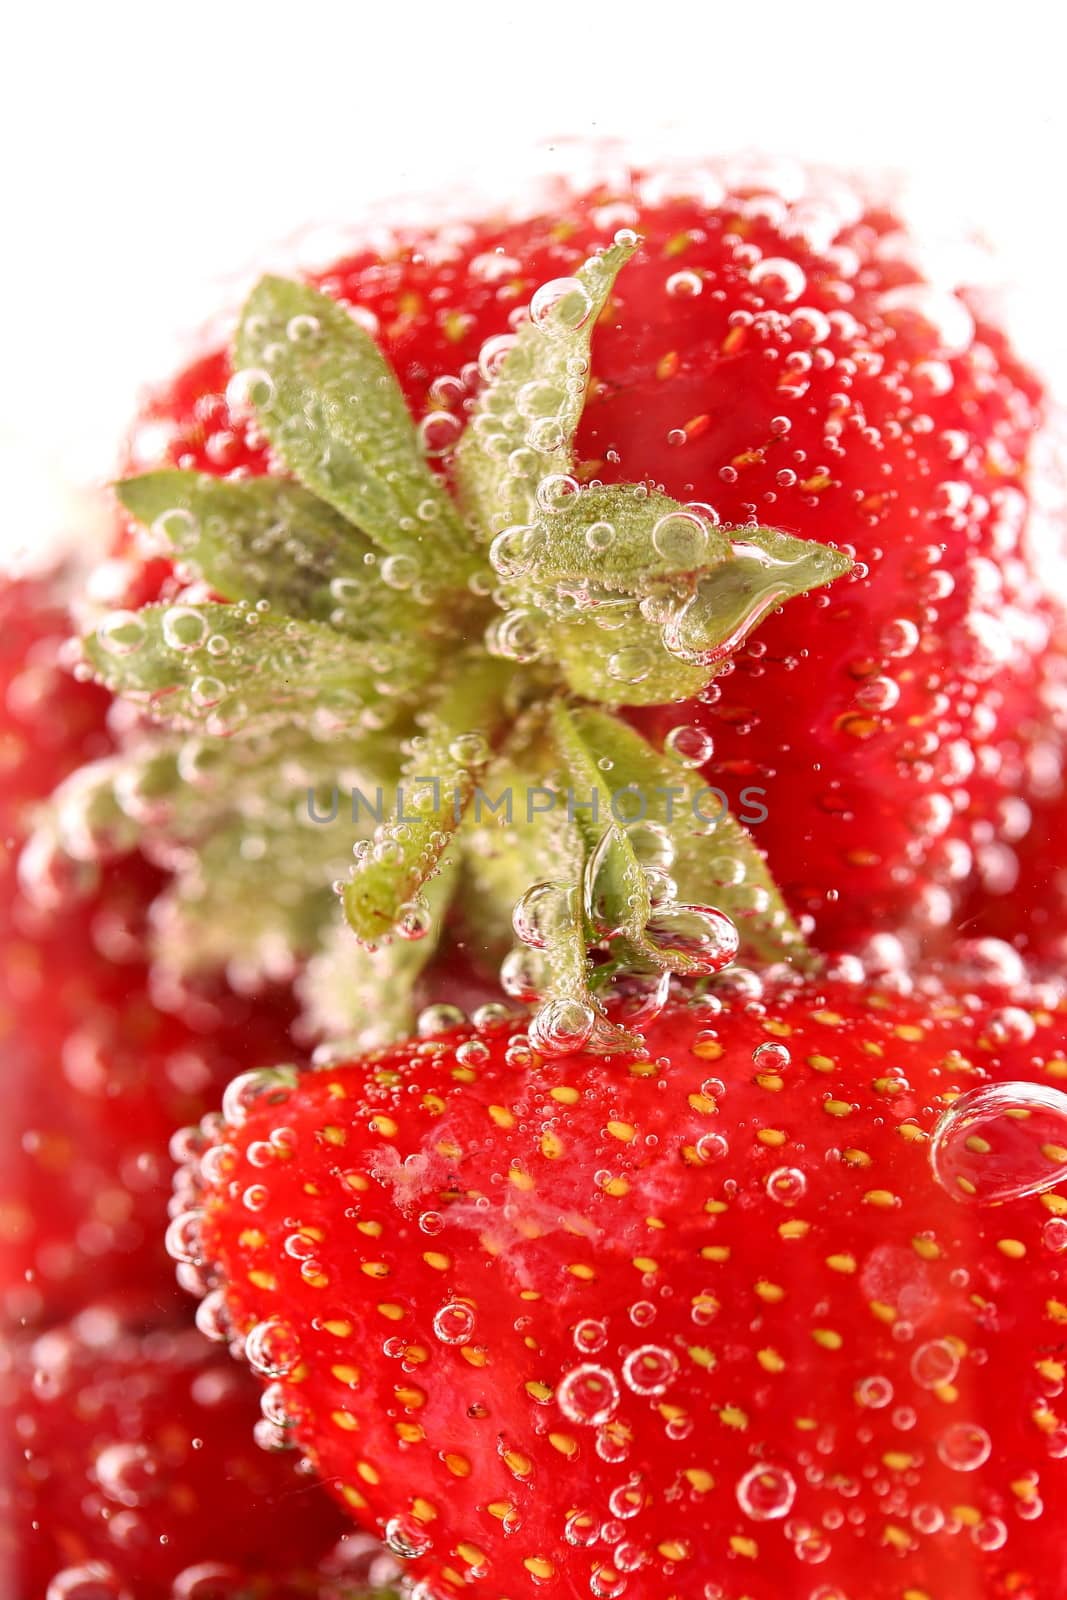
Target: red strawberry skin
point(698, 1325)
point(783, 359)
point(98, 1078)
point(49, 722)
point(132, 1454)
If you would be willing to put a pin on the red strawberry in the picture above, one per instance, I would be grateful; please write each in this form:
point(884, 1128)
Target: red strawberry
point(98, 1078)
point(49, 722)
point(779, 354)
point(698, 1323)
point(133, 1473)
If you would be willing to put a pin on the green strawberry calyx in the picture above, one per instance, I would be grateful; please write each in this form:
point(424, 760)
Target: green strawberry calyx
point(399, 688)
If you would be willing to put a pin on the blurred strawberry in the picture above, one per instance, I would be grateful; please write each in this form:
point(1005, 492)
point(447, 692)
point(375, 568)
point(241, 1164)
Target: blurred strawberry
point(98, 1079)
point(133, 1473)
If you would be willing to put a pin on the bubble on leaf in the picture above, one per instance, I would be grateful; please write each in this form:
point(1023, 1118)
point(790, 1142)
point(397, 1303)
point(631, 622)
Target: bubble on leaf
point(249, 389)
point(184, 628)
point(704, 936)
point(121, 633)
point(562, 1026)
point(681, 538)
point(964, 1446)
point(561, 306)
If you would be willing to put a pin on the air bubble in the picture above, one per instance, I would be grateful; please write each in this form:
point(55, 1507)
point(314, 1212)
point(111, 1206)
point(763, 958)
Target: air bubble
point(399, 571)
point(251, 1091)
point(92, 1580)
point(935, 1364)
point(177, 528)
point(561, 306)
point(562, 1026)
point(650, 1369)
point(121, 633)
point(127, 1473)
point(766, 1493)
point(703, 935)
point(684, 285)
point(272, 1348)
point(302, 329)
point(439, 433)
point(1001, 1142)
point(184, 628)
point(183, 1242)
point(589, 1336)
point(600, 535)
point(771, 1057)
point(454, 1323)
point(779, 278)
point(588, 1395)
point(249, 389)
point(689, 745)
point(1054, 1234)
point(787, 1185)
point(556, 491)
point(875, 1393)
point(406, 1538)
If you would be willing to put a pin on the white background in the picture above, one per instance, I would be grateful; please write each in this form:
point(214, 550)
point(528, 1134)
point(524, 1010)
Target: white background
point(152, 150)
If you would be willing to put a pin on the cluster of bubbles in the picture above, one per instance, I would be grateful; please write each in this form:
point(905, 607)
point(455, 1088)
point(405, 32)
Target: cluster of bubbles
point(700, 940)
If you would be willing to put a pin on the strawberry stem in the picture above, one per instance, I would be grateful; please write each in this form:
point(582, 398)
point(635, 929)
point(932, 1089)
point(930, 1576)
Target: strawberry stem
point(437, 785)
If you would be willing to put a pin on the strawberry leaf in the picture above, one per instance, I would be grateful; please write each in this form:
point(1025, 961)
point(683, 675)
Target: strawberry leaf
point(524, 425)
point(254, 539)
point(766, 569)
point(711, 854)
point(659, 615)
point(359, 998)
point(202, 920)
point(330, 404)
point(618, 539)
point(231, 668)
point(436, 787)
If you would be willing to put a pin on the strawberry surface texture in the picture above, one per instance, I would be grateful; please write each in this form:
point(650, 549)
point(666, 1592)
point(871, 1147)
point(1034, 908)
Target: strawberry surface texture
point(715, 1321)
point(136, 1474)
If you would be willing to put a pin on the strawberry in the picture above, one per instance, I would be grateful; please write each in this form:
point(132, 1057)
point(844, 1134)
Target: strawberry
point(135, 1474)
point(779, 356)
point(775, 1306)
point(49, 722)
point(99, 1078)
